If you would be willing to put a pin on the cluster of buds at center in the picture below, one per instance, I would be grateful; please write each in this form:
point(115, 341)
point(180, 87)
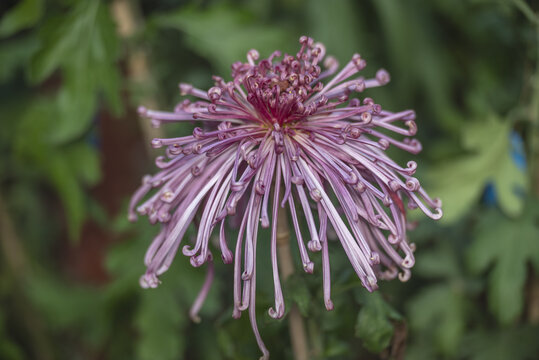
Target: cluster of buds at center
point(278, 136)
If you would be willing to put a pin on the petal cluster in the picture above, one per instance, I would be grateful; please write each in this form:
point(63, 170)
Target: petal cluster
point(279, 137)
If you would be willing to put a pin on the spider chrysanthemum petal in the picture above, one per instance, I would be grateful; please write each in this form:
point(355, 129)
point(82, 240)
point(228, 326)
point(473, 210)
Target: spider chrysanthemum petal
point(278, 136)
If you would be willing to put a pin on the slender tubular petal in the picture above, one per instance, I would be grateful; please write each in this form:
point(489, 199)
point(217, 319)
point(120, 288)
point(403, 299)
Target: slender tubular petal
point(279, 133)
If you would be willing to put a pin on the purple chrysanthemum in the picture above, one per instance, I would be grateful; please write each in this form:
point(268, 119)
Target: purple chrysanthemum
point(277, 136)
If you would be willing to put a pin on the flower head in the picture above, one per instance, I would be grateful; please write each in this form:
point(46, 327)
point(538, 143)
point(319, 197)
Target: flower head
point(280, 136)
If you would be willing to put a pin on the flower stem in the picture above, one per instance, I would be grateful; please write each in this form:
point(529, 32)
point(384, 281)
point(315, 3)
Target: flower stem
point(17, 268)
point(298, 335)
point(128, 20)
point(532, 287)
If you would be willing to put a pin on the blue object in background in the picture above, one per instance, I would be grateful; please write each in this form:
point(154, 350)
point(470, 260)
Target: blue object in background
point(517, 151)
point(519, 158)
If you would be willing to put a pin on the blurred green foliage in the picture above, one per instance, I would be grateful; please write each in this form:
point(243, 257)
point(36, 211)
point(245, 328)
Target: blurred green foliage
point(469, 68)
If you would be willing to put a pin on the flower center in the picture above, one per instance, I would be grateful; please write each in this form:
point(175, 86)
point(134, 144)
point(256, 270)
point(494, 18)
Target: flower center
point(278, 91)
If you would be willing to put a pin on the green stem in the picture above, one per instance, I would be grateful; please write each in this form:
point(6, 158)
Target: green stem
point(17, 266)
point(298, 335)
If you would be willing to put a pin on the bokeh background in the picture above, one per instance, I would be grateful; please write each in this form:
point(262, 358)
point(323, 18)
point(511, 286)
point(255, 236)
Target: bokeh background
point(72, 150)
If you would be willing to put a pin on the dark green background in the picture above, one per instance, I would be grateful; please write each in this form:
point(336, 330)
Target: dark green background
point(72, 151)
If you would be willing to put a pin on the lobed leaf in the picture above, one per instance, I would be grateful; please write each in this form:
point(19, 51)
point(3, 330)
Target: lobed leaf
point(237, 27)
point(439, 311)
point(460, 182)
point(374, 323)
point(22, 16)
point(506, 246)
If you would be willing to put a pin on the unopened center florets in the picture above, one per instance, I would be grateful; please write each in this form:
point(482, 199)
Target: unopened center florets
point(278, 92)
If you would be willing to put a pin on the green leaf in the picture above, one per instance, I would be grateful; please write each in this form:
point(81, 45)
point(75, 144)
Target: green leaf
point(124, 261)
point(159, 322)
point(9, 349)
point(83, 159)
point(506, 245)
point(64, 38)
point(68, 307)
point(67, 169)
point(460, 182)
point(84, 45)
point(24, 15)
point(440, 262)
point(518, 343)
point(336, 348)
point(297, 290)
point(510, 182)
point(76, 103)
point(237, 27)
point(15, 54)
point(322, 15)
point(374, 325)
point(438, 313)
point(420, 349)
point(34, 123)
point(64, 180)
point(104, 50)
point(527, 11)
point(403, 30)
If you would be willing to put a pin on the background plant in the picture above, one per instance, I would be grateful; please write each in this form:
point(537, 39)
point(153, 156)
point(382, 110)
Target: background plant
point(73, 149)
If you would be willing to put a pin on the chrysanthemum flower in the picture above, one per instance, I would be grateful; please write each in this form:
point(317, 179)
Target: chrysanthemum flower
point(275, 137)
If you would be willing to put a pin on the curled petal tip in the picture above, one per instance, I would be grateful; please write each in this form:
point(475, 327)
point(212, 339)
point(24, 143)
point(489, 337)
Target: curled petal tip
point(412, 127)
point(408, 262)
point(276, 314)
point(195, 318)
point(330, 62)
point(314, 245)
point(280, 122)
point(164, 216)
point(197, 261)
point(359, 62)
point(321, 49)
point(384, 144)
point(375, 258)
point(394, 185)
point(215, 93)
point(149, 280)
point(185, 88)
point(412, 184)
point(382, 76)
point(157, 143)
point(411, 166)
point(439, 214)
point(142, 110)
point(372, 282)
point(236, 313)
point(316, 195)
point(246, 276)
point(227, 257)
point(394, 239)
point(329, 305)
point(366, 118)
point(187, 251)
point(264, 222)
point(405, 275)
point(252, 55)
point(309, 267)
